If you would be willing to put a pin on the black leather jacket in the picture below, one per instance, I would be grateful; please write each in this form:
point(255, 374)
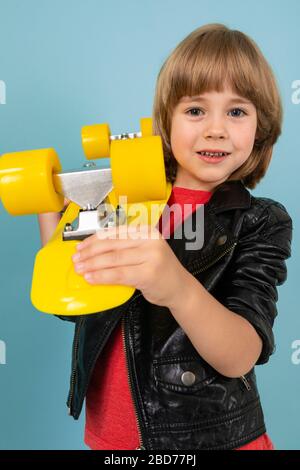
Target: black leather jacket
point(246, 242)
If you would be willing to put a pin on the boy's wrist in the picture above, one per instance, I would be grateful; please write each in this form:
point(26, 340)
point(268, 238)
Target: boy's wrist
point(182, 292)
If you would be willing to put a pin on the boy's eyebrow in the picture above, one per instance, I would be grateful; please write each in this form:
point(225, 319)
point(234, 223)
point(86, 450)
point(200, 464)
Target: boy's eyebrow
point(201, 98)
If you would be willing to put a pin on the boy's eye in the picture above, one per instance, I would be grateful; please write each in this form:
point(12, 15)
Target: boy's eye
point(239, 111)
point(194, 111)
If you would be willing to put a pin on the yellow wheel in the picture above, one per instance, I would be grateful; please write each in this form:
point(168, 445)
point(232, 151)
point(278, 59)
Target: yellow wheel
point(26, 182)
point(138, 169)
point(95, 141)
point(146, 127)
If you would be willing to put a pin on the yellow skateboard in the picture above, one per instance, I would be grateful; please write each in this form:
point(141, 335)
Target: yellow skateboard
point(133, 190)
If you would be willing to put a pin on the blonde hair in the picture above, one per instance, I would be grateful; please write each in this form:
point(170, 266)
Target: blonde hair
point(204, 61)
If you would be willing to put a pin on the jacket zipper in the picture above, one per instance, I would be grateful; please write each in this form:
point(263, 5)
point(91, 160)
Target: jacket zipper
point(73, 375)
point(74, 360)
point(231, 247)
point(141, 446)
point(246, 383)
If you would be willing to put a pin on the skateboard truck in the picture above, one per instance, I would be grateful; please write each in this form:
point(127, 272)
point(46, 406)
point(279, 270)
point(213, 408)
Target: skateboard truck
point(88, 188)
point(31, 182)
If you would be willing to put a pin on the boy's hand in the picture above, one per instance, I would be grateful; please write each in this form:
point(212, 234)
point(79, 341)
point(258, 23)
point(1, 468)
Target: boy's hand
point(66, 203)
point(135, 256)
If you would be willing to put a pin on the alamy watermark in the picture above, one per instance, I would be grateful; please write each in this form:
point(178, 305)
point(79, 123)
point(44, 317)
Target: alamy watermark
point(2, 92)
point(188, 224)
point(2, 353)
point(296, 93)
point(295, 358)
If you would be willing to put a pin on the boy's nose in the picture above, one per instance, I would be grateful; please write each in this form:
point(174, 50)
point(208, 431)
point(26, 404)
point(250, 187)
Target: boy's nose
point(215, 132)
point(215, 128)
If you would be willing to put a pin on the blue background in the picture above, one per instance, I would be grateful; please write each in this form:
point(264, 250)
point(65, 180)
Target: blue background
point(68, 63)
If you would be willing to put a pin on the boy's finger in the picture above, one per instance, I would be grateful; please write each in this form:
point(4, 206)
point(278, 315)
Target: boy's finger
point(66, 201)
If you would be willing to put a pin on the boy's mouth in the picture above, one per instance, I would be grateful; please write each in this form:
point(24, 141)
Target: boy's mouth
point(213, 154)
point(212, 157)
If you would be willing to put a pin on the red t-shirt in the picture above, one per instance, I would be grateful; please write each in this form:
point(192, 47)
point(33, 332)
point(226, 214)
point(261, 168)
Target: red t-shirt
point(110, 416)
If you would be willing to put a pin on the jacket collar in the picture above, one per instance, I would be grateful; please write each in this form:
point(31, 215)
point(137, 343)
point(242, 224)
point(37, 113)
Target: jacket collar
point(229, 195)
point(217, 237)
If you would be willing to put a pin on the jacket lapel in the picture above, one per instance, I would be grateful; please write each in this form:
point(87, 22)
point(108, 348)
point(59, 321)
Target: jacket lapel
point(217, 238)
point(230, 195)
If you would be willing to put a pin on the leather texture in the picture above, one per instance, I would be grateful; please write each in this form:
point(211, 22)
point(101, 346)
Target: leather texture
point(247, 240)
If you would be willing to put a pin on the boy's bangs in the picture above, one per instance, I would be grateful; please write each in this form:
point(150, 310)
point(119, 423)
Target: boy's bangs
point(211, 71)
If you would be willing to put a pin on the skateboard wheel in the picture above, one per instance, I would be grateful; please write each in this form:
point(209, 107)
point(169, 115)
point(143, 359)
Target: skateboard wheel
point(146, 127)
point(96, 141)
point(138, 169)
point(26, 181)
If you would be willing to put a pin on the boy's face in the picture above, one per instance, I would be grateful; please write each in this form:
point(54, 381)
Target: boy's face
point(212, 121)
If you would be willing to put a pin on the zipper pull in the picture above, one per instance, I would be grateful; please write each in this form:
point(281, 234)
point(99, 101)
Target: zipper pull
point(246, 383)
point(140, 448)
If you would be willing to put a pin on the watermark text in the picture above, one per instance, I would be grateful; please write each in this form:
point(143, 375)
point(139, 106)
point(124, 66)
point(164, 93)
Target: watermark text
point(2, 353)
point(296, 354)
point(2, 92)
point(175, 219)
point(296, 94)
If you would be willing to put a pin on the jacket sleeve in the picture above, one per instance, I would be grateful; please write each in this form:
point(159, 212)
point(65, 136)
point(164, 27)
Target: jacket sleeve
point(258, 266)
point(71, 318)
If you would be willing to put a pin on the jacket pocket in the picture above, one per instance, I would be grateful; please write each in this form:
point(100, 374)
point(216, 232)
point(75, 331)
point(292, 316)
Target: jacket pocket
point(183, 375)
